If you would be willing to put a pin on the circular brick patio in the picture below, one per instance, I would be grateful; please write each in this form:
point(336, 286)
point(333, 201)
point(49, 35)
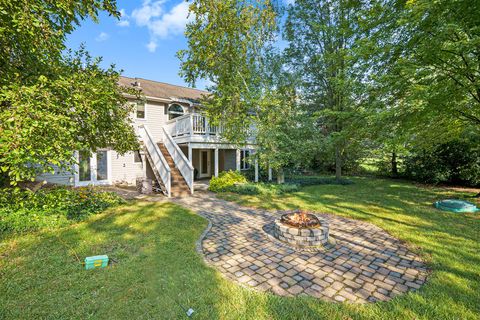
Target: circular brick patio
point(365, 265)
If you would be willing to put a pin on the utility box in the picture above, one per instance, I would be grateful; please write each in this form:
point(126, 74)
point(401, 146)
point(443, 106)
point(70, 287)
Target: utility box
point(96, 262)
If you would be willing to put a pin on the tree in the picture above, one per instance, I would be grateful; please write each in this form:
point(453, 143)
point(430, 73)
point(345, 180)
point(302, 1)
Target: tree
point(424, 60)
point(226, 43)
point(321, 38)
point(53, 103)
point(231, 45)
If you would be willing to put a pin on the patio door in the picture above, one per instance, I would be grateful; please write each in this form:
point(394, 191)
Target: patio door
point(205, 164)
point(93, 168)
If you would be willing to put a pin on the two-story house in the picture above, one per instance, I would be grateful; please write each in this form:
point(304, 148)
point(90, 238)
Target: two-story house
point(179, 144)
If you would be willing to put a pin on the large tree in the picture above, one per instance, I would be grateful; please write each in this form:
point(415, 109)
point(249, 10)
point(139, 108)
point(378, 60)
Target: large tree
point(230, 44)
point(424, 59)
point(52, 102)
point(226, 44)
point(321, 39)
point(285, 132)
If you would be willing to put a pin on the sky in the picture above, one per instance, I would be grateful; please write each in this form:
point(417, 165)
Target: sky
point(142, 43)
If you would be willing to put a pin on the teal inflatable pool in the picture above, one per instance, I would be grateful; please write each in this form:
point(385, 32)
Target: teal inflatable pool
point(455, 205)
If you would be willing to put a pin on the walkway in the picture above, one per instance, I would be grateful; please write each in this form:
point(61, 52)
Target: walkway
point(366, 264)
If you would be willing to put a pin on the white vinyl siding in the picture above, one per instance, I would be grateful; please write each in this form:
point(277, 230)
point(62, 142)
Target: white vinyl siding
point(124, 170)
point(155, 119)
point(63, 177)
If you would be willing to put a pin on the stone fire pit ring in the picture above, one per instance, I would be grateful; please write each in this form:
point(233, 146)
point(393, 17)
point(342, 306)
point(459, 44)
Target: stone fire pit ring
point(302, 237)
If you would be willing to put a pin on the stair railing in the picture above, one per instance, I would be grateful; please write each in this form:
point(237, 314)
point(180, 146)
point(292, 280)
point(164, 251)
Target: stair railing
point(179, 159)
point(159, 163)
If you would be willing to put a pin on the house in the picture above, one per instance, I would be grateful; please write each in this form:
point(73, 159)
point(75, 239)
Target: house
point(179, 144)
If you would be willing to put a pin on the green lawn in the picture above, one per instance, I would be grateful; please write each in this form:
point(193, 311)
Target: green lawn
point(158, 270)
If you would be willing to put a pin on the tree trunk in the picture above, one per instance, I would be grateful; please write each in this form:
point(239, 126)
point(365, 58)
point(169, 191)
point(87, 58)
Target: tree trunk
point(394, 165)
point(280, 176)
point(338, 163)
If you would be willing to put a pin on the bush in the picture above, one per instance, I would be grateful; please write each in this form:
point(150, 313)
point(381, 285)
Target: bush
point(246, 189)
point(233, 181)
point(312, 181)
point(263, 188)
point(226, 180)
point(456, 162)
point(23, 210)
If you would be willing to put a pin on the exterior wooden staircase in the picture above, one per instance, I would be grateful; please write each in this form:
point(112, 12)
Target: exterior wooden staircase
point(179, 187)
point(158, 185)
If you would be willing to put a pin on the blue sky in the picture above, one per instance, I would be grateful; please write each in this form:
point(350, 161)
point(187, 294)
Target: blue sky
point(143, 43)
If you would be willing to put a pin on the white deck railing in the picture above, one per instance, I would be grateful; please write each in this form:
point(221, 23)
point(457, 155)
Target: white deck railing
point(159, 164)
point(191, 124)
point(180, 160)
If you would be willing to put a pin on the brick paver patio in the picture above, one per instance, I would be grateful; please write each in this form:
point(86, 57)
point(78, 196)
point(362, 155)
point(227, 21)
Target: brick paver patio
point(365, 265)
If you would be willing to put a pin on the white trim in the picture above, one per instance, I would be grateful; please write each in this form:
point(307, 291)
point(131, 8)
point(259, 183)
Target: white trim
point(244, 165)
point(148, 98)
point(215, 163)
point(135, 104)
point(178, 104)
point(237, 159)
point(93, 170)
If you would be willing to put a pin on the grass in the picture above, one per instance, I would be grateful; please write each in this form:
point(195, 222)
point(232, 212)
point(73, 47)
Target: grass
point(449, 242)
point(159, 273)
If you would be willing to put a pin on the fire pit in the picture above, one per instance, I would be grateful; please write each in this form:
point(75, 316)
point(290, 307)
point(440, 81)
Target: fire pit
point(301, 229)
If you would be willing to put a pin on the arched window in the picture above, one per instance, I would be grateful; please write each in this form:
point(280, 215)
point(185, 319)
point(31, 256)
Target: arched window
point(174, 111)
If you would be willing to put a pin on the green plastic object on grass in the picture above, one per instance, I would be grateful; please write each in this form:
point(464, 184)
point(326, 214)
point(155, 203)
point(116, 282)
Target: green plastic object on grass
point(455, 205)
point(96, 262)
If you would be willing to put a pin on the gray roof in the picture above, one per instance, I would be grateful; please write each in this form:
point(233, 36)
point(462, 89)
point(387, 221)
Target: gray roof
point(163, 90)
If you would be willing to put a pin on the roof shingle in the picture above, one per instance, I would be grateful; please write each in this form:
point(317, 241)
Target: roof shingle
point(163, 90)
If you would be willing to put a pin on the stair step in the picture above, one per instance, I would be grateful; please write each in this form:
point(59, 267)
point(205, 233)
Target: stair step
point(178, 184)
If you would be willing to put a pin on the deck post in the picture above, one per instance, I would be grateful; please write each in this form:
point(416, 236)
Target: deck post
point(237, 159)
point(269, 173)
point(191, 128)
point(215, 162)
point(256, 169)
point(190, 153)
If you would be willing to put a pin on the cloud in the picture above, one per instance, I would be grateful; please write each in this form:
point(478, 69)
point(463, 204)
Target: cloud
point(143, 16)
point(152, 46)
point(103, 36)
point(172, 22)
point(124, 19)
point(123, 23)
point(159, 22)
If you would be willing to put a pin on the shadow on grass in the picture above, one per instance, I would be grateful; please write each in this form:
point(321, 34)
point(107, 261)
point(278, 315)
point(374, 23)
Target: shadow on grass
point(159, 274)
point(449, 242)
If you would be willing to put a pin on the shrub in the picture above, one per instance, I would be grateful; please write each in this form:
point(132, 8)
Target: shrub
point(312, 181)
point(456, 162)
point(246, 189)
point(23, 210)
point(263, 188)
point(233, 181)
point(226, 180)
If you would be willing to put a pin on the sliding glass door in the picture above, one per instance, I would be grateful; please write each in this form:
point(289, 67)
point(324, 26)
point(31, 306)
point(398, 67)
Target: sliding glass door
point(93, 168)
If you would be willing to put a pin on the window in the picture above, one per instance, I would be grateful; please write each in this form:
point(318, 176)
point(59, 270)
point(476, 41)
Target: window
point(137, 158)
point(244, 164)
point(140, 110)
point(84, 166)
point(102, 165)
point(175, 111)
